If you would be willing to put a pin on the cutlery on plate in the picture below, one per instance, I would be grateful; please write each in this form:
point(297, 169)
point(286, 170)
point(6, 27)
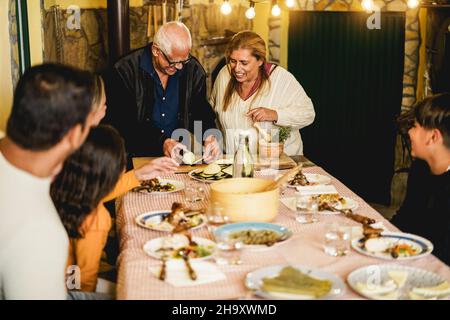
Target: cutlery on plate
point(184, 254)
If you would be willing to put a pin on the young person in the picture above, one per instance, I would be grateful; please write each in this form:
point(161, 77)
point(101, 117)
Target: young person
point(426, 209)
point(50, 118)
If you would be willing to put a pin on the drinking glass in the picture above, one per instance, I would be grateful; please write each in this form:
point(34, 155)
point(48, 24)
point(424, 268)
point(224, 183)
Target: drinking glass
point(228, 250)
point(337, 239)
point(306, 209)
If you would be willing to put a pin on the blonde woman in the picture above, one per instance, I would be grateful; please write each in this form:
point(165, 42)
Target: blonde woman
point(249, 89)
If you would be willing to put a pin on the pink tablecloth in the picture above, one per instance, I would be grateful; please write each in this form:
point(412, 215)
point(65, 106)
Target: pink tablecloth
point(136, 282)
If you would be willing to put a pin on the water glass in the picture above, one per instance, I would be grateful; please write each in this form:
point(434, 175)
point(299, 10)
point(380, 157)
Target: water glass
point(215, 217)
point(228, 250)
point(194, 193)
point(306, 209)
point(337, 239)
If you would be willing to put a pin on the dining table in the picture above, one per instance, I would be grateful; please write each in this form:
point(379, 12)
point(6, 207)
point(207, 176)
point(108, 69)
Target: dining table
point(305, 247)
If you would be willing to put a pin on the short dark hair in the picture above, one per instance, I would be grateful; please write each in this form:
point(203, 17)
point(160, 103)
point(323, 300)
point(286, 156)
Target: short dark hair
point(88, 176)
point(431, 113)
point(49, 100)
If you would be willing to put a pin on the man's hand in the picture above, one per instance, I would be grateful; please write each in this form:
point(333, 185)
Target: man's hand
point(172, 149)
point(212, 149)
point(262, 114)
point(156, 168)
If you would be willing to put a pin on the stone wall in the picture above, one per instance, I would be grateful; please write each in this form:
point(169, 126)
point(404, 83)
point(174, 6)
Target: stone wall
point(87, 48)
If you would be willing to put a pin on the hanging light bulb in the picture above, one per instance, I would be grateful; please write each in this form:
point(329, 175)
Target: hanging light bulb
point(412, 4)
point(290, 3)
point(250, 13)
point(225, 8)
point(367, 5)
point(276, 11)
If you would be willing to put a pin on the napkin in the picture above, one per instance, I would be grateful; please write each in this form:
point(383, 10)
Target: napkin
point(177, 274)
point(316, 190)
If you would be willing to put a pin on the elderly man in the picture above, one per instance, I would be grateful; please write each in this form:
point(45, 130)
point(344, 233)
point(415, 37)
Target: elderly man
point(156, 90)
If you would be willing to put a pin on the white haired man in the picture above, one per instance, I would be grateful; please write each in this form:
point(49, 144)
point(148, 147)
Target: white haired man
point(157, 89)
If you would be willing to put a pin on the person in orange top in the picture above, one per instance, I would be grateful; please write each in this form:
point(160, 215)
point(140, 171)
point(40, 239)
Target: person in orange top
point(91, 176)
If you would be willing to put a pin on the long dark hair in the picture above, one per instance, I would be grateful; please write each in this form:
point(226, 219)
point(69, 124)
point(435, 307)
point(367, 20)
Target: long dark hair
point(88, 176)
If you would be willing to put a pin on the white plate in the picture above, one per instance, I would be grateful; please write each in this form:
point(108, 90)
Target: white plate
point(374, 276)
point(253, 281)
point(190, 174)
point(179, 185)
point(153, 220)
point(314, 179)
point(173, 244)
point(349, 204)
point(422, 245)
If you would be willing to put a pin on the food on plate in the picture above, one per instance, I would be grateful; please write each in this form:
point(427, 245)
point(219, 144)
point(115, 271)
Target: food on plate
point(329, 200)
point(179, 219)
point(212, 169)
point(178, 248)
point(188, 158)
point(399, 277)
point(435, 291)
point(299, 180)
point(214, 172)
point(293, 281)
point(394, 248)
point(387, 290)
point(257, 237)
point(154, 185)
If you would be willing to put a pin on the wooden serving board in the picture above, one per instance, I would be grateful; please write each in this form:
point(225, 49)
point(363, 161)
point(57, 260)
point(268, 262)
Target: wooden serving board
point(285, 162)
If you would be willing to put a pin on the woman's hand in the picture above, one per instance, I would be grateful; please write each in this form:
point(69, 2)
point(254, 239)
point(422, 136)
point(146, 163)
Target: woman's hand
point(156, 168)
point(262, 114)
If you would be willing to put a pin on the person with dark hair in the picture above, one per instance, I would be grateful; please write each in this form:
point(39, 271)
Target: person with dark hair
point(51, 116)
point(426, 208)
point(155, 90)
point(94, 174)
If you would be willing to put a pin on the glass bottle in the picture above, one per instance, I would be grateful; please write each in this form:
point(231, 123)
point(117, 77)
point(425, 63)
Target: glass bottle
point(243, 165)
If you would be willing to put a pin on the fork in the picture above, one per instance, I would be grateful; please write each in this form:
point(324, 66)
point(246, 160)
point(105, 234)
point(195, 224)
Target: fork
point(183, 253)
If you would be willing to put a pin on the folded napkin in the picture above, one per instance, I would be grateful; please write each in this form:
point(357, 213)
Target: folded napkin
point(178, 276)
point(316, 190)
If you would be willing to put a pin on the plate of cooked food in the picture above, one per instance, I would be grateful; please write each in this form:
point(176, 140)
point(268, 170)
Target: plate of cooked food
point(308, 179)
point(213, 172)
point(294, 282)
point(159, 186)
point(177, 219)
point(332, 203)
point(254, 234)
point(398, 282)
point(174, 247)
point(393, 246)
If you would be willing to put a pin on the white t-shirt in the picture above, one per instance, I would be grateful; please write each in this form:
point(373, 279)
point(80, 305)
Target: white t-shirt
point(285, 95)
point(33, 241)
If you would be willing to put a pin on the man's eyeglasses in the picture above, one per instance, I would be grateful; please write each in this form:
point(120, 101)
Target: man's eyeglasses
point(175, 63)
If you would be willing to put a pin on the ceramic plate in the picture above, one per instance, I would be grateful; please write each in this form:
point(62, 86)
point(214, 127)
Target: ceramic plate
point(229, 229)
point(154, 221)
point(253, 281)
point(200, 179)
point(314, 179)
point(397, 282)
point(171, 245)
point(422, 246)
point(349, 204)
point(179, 185)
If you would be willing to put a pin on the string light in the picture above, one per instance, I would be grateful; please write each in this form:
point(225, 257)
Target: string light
point(412, 4)
point(225, 8)
point(250, 13)
point(290, 3)
point(367, 5)
point(276, 11)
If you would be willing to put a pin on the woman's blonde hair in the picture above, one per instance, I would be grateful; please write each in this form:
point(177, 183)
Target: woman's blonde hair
point(251, 41)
